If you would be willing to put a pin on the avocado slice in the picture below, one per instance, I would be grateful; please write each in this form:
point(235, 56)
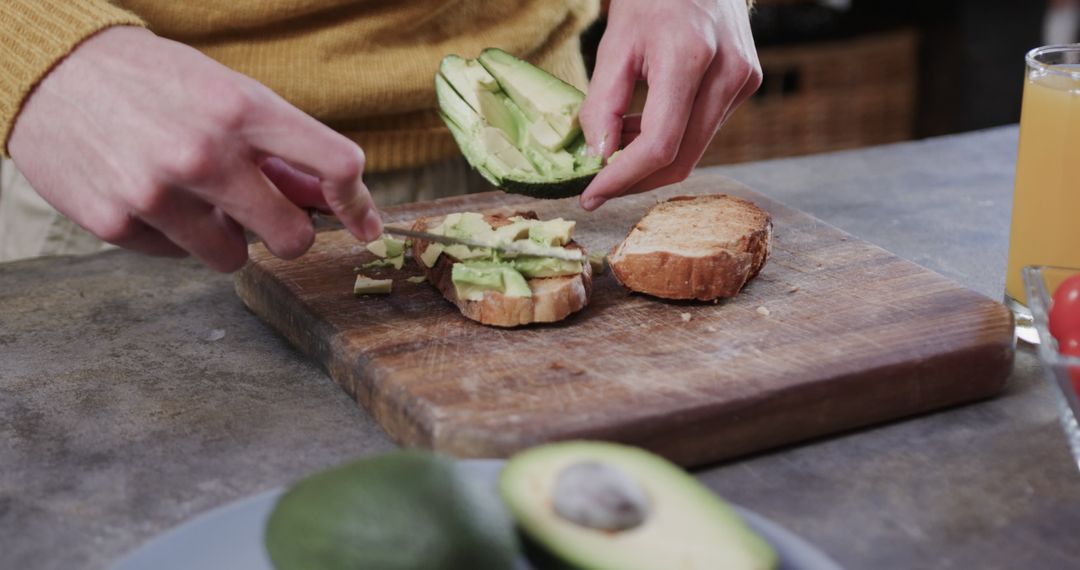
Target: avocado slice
point(550, 104)
point(396, 262)
point(431, 254)
point(532, 267)
point(398, 511)
point(518, 228)
point(365, 285)
point(607, 506)
point(472, 278)
point(554, 232)
point(387, 246)
point(516, 124)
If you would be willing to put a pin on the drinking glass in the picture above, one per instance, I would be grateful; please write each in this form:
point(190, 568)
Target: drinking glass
point(1046, 196)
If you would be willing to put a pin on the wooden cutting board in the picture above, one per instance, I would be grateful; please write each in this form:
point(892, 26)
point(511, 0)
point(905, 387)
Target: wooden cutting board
point(835, 333)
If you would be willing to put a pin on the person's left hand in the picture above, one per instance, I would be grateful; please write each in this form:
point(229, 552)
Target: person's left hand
point(699, 60)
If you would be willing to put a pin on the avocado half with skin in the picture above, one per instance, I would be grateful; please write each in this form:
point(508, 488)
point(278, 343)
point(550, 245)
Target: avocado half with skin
point(398, 511)
point(600, 506)
point(516, 124)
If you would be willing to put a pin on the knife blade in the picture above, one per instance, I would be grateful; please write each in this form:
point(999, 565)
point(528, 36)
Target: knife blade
point(510, 248)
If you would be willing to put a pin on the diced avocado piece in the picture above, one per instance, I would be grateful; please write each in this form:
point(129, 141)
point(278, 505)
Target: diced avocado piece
point(598, 262)
point(463, 252)
point(515, 284)
point(550, 104)
point(396, 262)
point(552, 232)
point(367, 286)
point(416, 279)
point(397, 511)
point(394, 247)
point(468, 225)
point(472, 279)
point(515, 230)
point(609, 506)
point(378, 247)
point(387, 246)
point(471, 282)
point(431, 254)
point(448, 221)
point(532, 267)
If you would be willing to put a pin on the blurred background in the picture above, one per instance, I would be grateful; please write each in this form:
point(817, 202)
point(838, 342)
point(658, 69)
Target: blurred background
point(849, 73)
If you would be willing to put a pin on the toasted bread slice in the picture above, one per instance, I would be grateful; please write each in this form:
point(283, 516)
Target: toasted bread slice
point(694, 247)
point(553, 298)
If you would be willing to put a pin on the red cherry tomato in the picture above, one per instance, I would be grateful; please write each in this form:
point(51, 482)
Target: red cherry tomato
point(1070, 345)
point(1065, 311)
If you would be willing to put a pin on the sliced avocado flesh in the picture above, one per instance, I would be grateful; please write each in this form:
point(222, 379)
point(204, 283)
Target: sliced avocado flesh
point(464, 252)
point(683, 521)
point(545, 266)
point(516, 125)
point(397, 511)
point(431, 254)
point(515, 230)
point(365, 285)
point(472, 278)
point(468, 78)
point(395, 262)
point(552, 232)
point(545, 99)
point(466, 225)
point(477, 269)
point(387, 247)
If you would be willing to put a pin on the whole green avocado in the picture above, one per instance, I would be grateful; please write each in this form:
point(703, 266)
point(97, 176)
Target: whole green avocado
point(405, 510)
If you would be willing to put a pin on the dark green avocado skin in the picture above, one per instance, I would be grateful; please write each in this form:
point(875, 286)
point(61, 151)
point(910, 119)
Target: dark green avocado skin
point(548, 190)
point(405, 510)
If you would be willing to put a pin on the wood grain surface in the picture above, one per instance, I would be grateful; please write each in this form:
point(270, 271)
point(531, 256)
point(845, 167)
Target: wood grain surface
point(834, 334)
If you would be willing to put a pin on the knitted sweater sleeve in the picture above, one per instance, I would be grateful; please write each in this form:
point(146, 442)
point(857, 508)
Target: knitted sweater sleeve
point(35, 35)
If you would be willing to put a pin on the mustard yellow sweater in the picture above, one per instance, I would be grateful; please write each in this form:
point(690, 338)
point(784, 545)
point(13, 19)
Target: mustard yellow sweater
point(363, 67)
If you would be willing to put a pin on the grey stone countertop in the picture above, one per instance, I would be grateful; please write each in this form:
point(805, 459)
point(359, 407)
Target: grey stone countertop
point(138, 392)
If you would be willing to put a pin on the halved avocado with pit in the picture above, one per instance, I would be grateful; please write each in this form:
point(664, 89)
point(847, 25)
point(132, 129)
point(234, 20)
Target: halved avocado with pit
point(591, 505)
point(516, 124)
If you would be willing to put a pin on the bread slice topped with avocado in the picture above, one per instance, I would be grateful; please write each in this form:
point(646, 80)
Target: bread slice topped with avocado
point(516, 124)
point(493, 289)
point(694, 247)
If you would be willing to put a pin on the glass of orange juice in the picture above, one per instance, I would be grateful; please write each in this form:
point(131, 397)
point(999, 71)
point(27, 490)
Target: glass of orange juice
point(1046, 197)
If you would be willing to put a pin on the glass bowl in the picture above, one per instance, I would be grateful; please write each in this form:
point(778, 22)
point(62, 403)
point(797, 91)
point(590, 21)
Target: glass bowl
point(1039, 283)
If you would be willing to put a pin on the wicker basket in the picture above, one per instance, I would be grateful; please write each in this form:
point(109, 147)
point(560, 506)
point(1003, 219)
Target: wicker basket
point(824, 96)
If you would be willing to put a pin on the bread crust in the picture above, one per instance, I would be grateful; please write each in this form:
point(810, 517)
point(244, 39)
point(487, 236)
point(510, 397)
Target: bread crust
point(720, 272)
point(553, 298)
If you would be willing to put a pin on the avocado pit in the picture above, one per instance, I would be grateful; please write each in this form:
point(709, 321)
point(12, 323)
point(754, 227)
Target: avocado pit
point(599, 496)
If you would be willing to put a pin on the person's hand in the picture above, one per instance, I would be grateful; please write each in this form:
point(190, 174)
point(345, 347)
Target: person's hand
point(152, 146)
point(699, 60)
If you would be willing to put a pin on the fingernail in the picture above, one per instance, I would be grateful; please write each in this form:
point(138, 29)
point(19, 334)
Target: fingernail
point(592, 203)
point(598, 149)
point(371, 225)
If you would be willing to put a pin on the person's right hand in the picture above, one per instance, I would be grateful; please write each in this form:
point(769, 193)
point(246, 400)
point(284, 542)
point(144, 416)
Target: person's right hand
point(152, 146)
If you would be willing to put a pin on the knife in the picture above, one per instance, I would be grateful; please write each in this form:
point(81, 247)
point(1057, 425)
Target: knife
point(510, 248)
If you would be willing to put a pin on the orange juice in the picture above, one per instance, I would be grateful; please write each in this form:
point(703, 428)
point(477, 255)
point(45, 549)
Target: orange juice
point(1046, 198)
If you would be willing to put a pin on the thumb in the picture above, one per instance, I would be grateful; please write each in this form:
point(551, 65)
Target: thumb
point(609, 95)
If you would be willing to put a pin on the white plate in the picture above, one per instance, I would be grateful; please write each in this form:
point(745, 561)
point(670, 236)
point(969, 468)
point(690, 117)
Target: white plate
point(231, 536)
